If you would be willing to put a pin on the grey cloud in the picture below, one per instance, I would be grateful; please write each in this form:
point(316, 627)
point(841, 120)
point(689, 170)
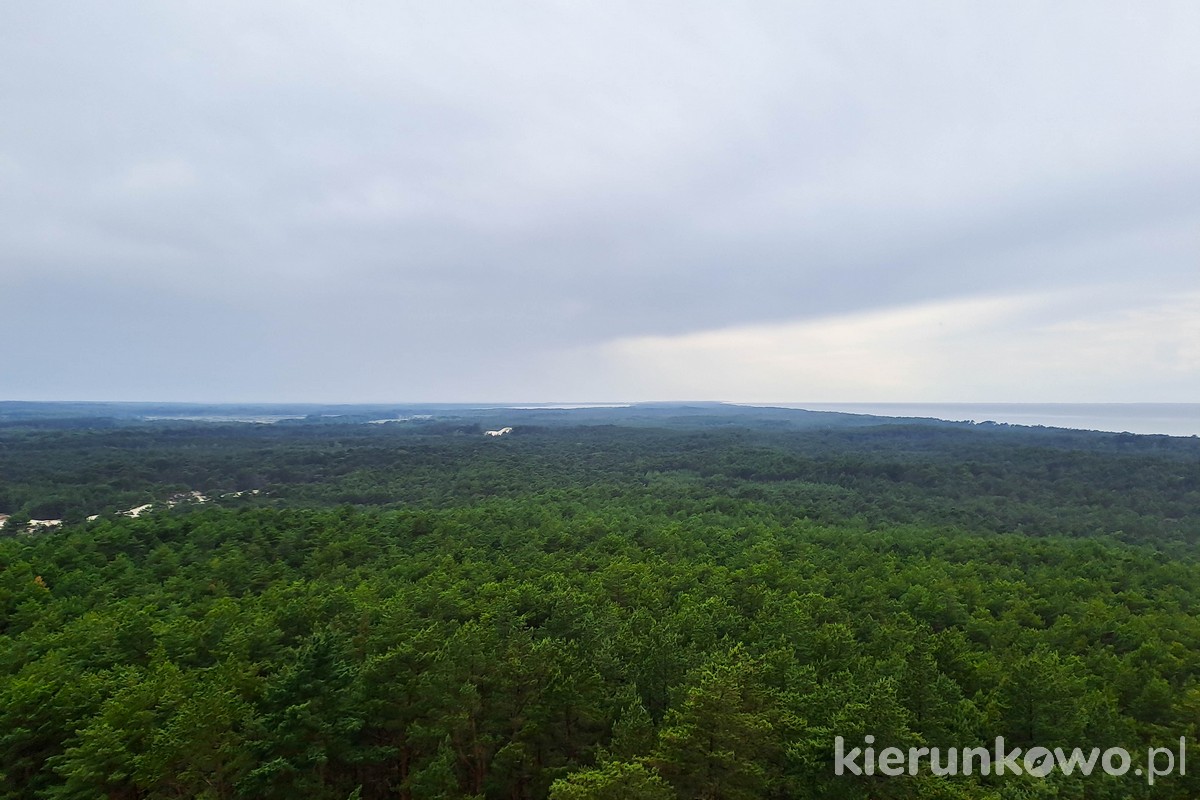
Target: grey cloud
point(405, 184)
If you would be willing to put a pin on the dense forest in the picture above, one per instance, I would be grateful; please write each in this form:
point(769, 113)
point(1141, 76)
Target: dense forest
point(602, 605)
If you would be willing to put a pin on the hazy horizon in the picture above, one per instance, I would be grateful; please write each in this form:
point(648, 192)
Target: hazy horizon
point(1171, 419)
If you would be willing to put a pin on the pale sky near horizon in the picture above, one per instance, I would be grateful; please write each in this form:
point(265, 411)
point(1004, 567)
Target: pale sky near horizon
point(573, 201)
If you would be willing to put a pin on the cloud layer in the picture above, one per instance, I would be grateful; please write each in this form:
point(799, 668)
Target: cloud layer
point(995, 347)
point(572, 201)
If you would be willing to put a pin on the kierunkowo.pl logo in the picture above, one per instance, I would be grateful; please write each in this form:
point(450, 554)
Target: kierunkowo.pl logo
point(1001, 760)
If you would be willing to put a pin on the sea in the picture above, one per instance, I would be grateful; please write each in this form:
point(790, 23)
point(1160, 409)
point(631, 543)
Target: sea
point(1171, 419)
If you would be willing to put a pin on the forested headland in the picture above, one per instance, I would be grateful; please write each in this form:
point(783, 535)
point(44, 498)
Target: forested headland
point(656, 603)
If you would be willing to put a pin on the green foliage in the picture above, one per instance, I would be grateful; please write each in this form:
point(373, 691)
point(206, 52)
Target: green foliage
point(599, 613)
point(614, 781)
point(718, 743)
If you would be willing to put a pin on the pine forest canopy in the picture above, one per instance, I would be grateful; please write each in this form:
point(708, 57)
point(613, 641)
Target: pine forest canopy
point(644, 602)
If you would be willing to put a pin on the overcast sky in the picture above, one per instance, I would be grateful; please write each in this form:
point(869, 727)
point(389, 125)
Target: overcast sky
point(569, 201)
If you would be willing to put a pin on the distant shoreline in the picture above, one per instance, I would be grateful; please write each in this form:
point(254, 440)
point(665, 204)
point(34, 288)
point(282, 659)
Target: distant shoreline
point(1168, 419)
